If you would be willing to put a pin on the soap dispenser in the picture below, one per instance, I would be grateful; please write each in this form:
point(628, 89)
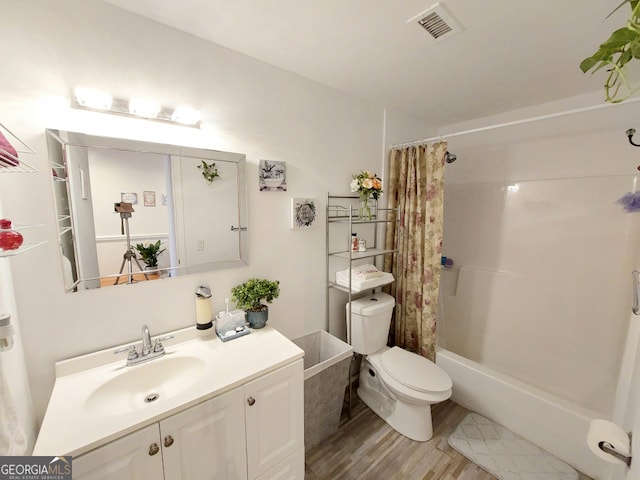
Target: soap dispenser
point(203, 308)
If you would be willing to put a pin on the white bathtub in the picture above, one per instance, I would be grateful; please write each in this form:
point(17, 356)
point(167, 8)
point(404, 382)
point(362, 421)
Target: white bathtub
point(556, 425)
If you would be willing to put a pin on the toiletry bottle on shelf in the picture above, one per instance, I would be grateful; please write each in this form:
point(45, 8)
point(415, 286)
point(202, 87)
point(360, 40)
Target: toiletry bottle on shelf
point(9, 239)
point(354, 242)
point(203, 308)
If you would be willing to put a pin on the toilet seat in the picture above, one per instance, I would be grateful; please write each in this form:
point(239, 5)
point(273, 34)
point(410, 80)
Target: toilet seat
point(415, 371)
point(401, 369)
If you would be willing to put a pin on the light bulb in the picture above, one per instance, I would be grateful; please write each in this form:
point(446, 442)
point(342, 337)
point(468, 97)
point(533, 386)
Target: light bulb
point(144, 108)
point(92, 98)
point(186, 115)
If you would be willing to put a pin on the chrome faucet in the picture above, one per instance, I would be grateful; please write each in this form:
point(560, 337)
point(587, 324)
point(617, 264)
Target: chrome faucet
point(147, 348)
point(148, 351)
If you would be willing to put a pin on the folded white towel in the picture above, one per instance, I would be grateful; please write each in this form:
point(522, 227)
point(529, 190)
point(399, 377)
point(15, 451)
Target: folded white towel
point(366, 271)
point(360, 284)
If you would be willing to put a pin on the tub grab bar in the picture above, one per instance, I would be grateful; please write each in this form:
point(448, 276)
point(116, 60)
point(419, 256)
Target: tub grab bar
point(636, 292)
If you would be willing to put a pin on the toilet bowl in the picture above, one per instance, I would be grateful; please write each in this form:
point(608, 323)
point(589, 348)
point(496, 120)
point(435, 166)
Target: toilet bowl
point(398, 385)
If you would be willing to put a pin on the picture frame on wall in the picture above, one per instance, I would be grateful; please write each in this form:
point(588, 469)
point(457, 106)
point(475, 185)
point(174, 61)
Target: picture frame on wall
point(129, 197)
point(304, 213)
point(149, 198)
point(273, 176)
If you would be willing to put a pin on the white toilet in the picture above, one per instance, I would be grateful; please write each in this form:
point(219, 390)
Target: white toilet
point(398, 385)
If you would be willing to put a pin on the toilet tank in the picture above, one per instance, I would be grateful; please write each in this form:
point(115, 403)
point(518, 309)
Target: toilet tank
point(370, 321)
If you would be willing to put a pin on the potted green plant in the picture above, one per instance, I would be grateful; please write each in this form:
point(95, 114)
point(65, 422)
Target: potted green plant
point(149, 253)
point(249, 295)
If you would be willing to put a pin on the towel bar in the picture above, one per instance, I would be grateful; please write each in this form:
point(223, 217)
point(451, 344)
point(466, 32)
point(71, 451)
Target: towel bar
point(636, 292)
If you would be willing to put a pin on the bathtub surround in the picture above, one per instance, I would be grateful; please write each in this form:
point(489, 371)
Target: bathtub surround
point(416, 185)
point(531, 322)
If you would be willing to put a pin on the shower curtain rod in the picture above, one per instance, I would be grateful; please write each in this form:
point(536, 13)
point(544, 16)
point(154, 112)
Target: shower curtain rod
point(512, 123)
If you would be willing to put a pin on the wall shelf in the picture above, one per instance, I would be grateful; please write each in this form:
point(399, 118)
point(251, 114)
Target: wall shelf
point(23, 248)
point(22, 167)
point(22, 149)
point(371, 252)
point(342, 211)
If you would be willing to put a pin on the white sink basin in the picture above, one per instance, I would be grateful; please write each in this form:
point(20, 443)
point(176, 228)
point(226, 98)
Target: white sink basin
point(146, 384)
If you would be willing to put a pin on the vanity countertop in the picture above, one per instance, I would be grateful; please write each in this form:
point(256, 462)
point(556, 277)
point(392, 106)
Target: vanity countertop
point(71, 428)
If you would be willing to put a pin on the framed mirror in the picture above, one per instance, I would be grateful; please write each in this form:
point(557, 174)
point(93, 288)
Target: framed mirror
point(131, 211)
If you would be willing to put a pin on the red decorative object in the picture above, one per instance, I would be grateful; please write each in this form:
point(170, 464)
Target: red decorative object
point(9, 239)
point(8, 154)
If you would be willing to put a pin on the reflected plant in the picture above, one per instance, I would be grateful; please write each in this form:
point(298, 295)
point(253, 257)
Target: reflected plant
point(209, 171)
point(149, 252)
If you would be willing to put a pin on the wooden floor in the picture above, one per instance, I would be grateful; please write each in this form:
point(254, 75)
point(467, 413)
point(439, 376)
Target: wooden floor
point(365, 447)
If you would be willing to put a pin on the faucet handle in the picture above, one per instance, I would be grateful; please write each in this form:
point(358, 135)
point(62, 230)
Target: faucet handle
point(132, 355)
point(158, 347)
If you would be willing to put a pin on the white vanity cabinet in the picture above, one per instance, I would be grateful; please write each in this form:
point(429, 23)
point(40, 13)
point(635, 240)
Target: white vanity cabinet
point(252, 432)
point(136, 455)
point(206, 441)
point(274, 416)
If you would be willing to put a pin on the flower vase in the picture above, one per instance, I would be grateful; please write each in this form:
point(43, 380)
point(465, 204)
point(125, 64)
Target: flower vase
point(365, 209)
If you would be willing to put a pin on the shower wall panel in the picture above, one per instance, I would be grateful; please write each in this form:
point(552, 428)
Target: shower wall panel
point(541, 286)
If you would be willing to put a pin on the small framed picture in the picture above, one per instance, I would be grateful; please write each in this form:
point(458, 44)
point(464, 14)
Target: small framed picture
point(149, 198)
point(304, 212)
point(131, 198)
point(273, 176)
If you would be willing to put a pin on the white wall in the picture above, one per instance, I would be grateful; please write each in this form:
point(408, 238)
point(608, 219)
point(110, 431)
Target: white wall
point(248, 107)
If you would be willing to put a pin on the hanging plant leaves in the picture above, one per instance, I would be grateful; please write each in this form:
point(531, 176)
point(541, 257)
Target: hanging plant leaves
point(622, 46)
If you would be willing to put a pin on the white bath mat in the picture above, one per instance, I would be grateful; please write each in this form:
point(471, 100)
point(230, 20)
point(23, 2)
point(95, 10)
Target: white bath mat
point(504, 454)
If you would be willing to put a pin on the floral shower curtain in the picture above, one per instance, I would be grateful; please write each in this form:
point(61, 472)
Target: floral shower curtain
point(416, 186)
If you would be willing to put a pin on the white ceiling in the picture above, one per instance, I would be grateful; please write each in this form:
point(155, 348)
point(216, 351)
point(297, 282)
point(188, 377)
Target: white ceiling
point(511, 54)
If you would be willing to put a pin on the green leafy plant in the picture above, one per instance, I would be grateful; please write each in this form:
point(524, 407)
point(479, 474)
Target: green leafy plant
point(149, 252)
point(209, 171)
point(248, 295)
point(622, 46)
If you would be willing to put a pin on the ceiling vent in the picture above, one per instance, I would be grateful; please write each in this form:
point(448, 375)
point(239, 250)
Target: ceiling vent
point(438, 22)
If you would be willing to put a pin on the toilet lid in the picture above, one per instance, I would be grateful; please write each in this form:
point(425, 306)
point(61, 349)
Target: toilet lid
point(415, 371)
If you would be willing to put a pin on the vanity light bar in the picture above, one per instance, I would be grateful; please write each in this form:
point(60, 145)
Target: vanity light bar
point(144, 108)
point(92, 98)
point(100, 101)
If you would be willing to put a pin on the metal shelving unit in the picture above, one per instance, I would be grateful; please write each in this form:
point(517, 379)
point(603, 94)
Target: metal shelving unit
point(25, 246)
point(344, 209)
point(21, 167)
point(22, 148)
